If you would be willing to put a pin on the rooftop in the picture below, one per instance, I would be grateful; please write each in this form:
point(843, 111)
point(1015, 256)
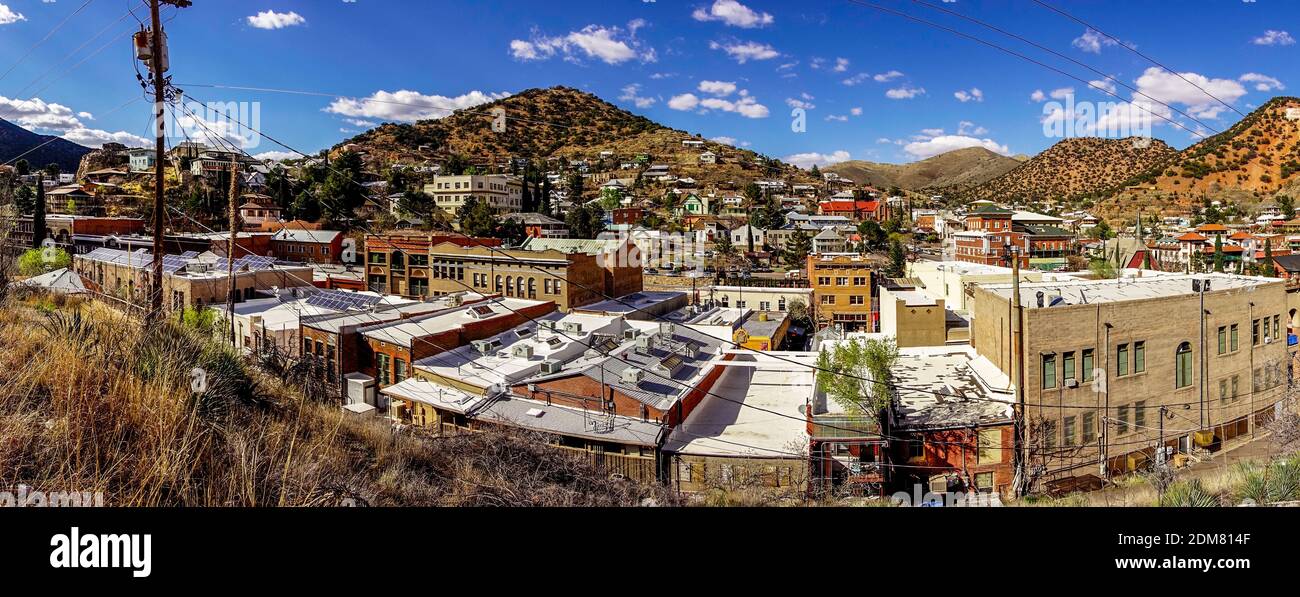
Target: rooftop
point(950, 386)
point(636, 301)
point(1079, 292)
point(405, 332)
point(756, 409)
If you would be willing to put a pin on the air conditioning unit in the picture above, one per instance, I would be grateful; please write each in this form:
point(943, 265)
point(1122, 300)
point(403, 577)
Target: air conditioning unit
point(456, 300)
point(1072, 383)
point(551, 367)
point(573, 326)
point(645, 342)
point(524, 351)
point(633, 376)
point(667, 329)
point(485, 347)
point(547, 324)
point(631, 334)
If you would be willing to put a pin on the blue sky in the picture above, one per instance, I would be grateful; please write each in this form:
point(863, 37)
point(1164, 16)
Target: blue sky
point(873, 85)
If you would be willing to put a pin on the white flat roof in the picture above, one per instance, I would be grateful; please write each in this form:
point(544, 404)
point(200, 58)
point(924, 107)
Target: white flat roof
point(769, 425)
point(404, 332)
point(1079, 292)
point(963, 268)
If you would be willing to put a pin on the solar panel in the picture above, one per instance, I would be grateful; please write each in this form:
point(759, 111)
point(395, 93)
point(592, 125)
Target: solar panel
point(342, 301)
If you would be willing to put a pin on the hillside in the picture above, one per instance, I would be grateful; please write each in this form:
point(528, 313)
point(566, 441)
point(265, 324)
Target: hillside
point(16, 140)
point(963, 167)
point(1076, 168)
point(561, 122)
point(1253, 160)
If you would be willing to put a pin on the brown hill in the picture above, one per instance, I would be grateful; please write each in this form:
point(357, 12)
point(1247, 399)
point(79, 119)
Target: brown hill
point(560, 122)
point(962, 167)
point(1076, 168)
point(1255, 159)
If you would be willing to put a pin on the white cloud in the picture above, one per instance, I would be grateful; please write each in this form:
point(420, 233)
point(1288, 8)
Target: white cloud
point(974, 95)
point(967, 127)
point(8, 16)
point(1167, 87)
point(275, 20)
point(684, 102)
point(1274, 38)
point(733, 13)
point(945, 143)
point(724, 140)
point(745, 105)
point(841, 65)
point(408, 106)
point(1262, 82)
point(743, 52)
point(810, 159)
point(800, 103)
point(1104, 85)
point(905, 92)
point(837, 117)
point(43, 117)
point(1092, 41)
point(855, 111)
point(97, 138)
point(857, 79)
point(611, 45)
point(1038, 95)
point(886, 77)
point(720, 88)
point(1056, 94)
point(276, 156)
point(632, 93)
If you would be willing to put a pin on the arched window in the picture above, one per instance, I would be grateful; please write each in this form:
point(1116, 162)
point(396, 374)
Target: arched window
point(519, 286)
point(510, 287)
point(532, 288)
point(1183, 365)
point(498, 284)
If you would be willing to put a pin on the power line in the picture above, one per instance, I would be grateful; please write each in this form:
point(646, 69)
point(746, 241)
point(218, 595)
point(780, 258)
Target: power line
point(1064, 56)
point(1133, 49)
point(46, 38)
point(1027, 58)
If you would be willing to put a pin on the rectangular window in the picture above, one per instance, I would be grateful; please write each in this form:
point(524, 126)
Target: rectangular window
point(1254, 333)
point(1121, 360)
point(990, 446)
point(859, 281)
point(1049, 434)
point(1122, 427)
point(1223, 391)
point(1049, 371)
point(1089, 428)
point(1140, 413)
point(399, 371)
point(1234, 342)
point(1067, 366)
point(1235, 388)
point(984, 482)
point(1223, 339)
point(1087, 364)
point(857, 300)
point(1139, 357)
point(1067, 432)
point(1277, 327)
point(385, 377)
point(916, 448)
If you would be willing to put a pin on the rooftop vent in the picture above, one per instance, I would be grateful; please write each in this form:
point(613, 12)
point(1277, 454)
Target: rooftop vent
point(523, 351)
point(573, 326)
point(633, 376)
point(551, 367)
point(485, 347)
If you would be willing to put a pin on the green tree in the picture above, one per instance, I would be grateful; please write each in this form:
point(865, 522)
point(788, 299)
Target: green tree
point(611, 199)
point(455, 165)
point(306, 207)
point(796, 250)
point(816, 172)
point(584, 221)
point(544, 206)
point(477, 218)
point(1218, 253)
point(24, 200)
point(873, 236)
point(576, 188)
point(1268, 267)
point(857, 374)
point(22, 167)
point(897, 260)
point(342, 192)
point(35, 262)
point(1102, 231)
point(416, 203)
point(38, 215)
point(1287, 205)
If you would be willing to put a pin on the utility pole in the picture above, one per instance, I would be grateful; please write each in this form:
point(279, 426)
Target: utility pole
point(1017, 375)
point(158, 65)
point(230, 252)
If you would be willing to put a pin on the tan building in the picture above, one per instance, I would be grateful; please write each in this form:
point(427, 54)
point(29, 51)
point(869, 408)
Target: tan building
point(1107, 360)
point(398, 262)
point(757, 298)
point(503, 193)
point(569, 279)
point(841, 284)
point(950, 280)
point(912, 318)
point(188, 280)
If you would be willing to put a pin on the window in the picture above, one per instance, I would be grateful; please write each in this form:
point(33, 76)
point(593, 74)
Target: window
point(399, 371)
point(764, 306)
point(916, 448)
point(1183, 366)
point(823, 281)
point(1122, 427)
point(1067, 432)
point(989, 446)
point(984, 482)
point(1234, 341)
point(780, 305)
point(384, 369)
point(1140, 413)
point(1049, 371)
point(1067, 366)
point(1254, 333)
point(828, 300)
point(841, 281)
point(859, 281)
point(1089, 428)
point(1223, 391)
point(1235, 387)
point(857, 300)
point(1139, 357)
point(1121, 360)
point(1223, 339)
point(1049, 434)
point(740, 304)
point(1087, 364)
point(1277, 327)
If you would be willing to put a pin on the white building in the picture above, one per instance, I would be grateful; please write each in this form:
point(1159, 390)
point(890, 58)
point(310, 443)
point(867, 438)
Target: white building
point(503, 193)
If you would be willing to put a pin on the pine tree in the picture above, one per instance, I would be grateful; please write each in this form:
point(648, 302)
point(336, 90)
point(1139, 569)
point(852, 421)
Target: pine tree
point(1218, 253)
point(38, 214)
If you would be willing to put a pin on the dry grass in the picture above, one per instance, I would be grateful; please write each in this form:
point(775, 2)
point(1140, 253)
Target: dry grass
point(89, 402)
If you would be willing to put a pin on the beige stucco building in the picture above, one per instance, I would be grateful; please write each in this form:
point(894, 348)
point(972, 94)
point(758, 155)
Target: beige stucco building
point(503, 193)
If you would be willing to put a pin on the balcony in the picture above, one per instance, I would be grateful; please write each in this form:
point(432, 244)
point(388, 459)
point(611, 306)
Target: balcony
point(842, 426)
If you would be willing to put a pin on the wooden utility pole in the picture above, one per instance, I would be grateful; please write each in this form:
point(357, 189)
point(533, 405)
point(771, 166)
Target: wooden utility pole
point(160, 125)
point(1017, 377)
point(230, 251)
point(158, 68)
